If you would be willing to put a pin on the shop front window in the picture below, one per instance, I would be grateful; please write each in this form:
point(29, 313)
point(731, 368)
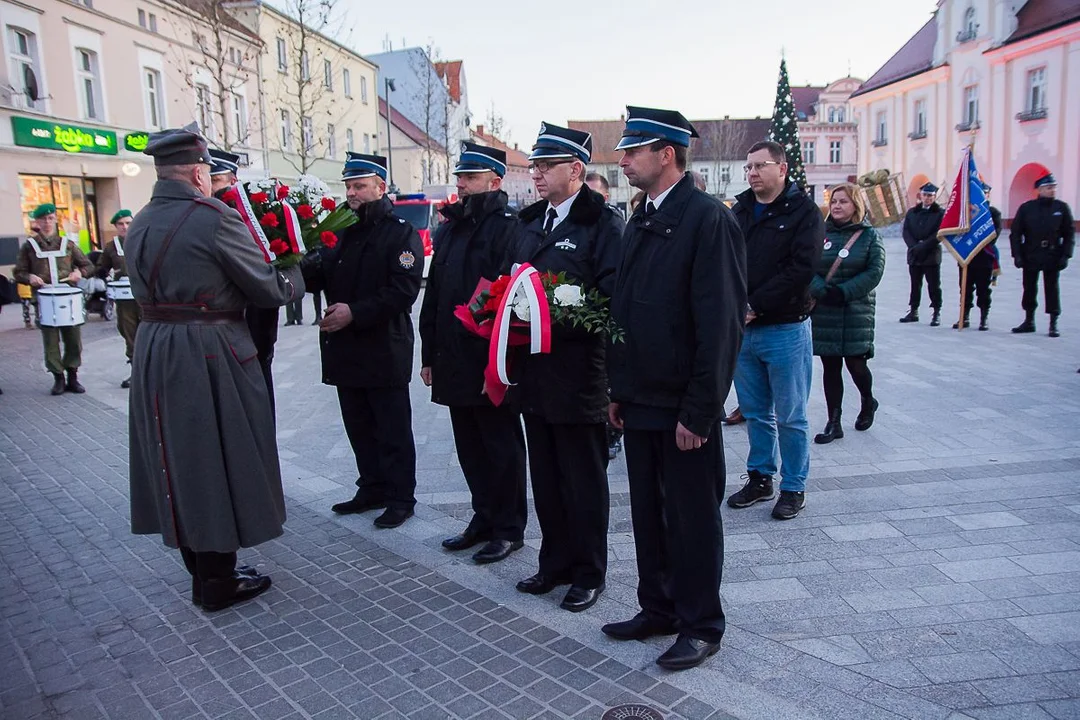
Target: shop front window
point(74, 198)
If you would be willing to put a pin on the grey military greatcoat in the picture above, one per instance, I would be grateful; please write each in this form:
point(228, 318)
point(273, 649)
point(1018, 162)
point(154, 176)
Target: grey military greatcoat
point(204, 461)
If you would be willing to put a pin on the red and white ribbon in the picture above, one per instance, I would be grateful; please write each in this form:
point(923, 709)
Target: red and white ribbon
point(292, 228)
point(247, 214)
point(527, 280)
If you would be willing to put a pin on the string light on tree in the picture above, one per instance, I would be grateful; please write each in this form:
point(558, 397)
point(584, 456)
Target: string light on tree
point(785, 128)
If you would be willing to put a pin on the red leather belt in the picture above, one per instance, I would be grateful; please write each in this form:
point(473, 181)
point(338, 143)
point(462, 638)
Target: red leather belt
point(190, 315)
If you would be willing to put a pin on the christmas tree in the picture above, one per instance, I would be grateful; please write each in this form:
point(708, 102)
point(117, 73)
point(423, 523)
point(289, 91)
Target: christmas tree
point(785, 128)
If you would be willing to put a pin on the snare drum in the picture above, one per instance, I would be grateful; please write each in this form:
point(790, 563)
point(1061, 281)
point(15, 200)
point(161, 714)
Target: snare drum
point(120, 290)
point(61, 306)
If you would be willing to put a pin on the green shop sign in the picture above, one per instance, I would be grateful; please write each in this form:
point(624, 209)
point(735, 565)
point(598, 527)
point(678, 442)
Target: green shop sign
point(136, 141)
point(56, 136)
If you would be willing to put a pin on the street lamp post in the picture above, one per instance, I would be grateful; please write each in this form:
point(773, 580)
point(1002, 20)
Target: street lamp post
point(389, 82)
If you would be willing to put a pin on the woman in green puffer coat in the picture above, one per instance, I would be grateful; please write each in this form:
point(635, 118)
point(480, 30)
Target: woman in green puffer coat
point(843, 319)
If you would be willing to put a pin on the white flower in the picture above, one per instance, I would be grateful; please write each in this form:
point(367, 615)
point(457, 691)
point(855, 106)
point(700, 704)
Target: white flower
point(521, 307)
point(569, 295)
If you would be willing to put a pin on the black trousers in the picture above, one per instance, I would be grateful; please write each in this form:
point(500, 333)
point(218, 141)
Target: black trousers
point(979, 274)
point(932, 273)
point(568, 464)
point(675, 501)
point(316, 300)
point(378, 422)
point(1030, 300)
point(491, 449)
point(205, 566)
point(294, 311)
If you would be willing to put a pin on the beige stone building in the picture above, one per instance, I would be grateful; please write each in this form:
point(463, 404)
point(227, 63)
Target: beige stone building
point(83, 83)
point(415, 158)
point(319, 98)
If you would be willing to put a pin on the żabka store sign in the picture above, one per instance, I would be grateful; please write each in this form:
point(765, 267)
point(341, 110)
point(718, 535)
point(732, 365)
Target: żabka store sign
point(58, 136)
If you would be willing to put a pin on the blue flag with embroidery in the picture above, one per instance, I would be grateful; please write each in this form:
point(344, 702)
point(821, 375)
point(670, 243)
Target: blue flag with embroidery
point(967, 226)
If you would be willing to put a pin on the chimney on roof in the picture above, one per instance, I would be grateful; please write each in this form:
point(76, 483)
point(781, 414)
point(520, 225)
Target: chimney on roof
point(479, 129)
point(515, 146)
point(622, 118)
point(727, 117)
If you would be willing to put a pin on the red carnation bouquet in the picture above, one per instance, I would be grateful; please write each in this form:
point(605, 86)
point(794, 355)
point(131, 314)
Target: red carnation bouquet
point(289, 221)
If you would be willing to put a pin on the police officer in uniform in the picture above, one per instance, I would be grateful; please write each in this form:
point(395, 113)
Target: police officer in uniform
point(204, 469)
point(32, 267)
point(1042, 238)
point(564, 394)
point(114, 260)
point(473, 243)
point(372, 278)
point(680, 295)
point(980, 274)
point(924, 253)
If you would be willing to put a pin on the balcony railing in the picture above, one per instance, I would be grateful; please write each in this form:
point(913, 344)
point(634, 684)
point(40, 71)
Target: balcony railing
point(967, 35)
point(917, 135)
point(880, 142)
point(967, 126)
point(1033, 114)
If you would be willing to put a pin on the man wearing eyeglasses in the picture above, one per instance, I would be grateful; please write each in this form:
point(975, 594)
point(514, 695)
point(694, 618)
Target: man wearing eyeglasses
point(784, 235)
point(564, 394)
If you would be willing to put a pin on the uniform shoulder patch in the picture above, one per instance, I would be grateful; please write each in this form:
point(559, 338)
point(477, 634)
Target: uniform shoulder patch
point(406, 259)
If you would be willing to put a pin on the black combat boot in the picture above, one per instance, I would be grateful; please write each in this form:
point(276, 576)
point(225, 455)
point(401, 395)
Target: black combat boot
point(58, 384)
point(866, 413)
point(73, 382)
point(984, 314)
point(1028, 326)
point(832, 431)
point(912, 316)
point(966, 321)
point(1053, 326)
point(936, 319)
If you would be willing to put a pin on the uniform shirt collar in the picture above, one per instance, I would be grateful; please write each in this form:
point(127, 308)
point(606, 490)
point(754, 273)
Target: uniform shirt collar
point(660, 198)
point(561, 210)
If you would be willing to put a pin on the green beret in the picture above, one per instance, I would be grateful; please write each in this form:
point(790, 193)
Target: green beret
point(120, 214)
point(42, 210)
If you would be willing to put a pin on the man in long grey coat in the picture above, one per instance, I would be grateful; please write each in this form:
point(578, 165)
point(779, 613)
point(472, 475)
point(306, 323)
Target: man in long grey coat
point(203, 459)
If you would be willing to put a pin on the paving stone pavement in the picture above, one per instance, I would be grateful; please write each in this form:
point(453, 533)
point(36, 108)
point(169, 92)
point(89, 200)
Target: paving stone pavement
point(934, 573)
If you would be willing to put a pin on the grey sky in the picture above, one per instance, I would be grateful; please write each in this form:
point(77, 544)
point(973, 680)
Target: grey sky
point(562, 59)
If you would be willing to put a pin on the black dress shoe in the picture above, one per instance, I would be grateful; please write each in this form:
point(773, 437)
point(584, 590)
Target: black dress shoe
point(126, 384)
point(220, 594)
point(539, 584)
point(240, 572)
point(393, 517)
point(357, 505)
point(579, 598)
point(465, 540)
point(496, 550)
point(686, 653)
point(639, 627)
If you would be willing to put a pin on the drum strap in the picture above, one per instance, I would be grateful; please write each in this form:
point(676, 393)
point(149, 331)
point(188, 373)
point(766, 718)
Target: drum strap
point(151, 285)
point(51, 256)
point(119, 247)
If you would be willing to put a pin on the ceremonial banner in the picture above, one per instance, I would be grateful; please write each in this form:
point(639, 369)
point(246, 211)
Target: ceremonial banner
point(967, 226)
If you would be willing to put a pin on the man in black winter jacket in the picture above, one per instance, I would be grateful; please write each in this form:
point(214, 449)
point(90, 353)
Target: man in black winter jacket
point(474, 243)
point(564, 393)
point(784, 233)
point(924, 253)
point(372, 278)
point(680, 296)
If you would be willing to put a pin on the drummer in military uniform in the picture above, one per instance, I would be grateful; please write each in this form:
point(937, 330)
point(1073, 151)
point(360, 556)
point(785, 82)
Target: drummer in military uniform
point(204, 468)
point(33, 268)
point(114, 260)
point(372, 278)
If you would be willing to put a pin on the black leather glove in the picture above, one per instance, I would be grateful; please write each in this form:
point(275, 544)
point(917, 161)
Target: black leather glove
point(1063, 263)
point(833, 296)
point(1018, 263)
point(311, 270)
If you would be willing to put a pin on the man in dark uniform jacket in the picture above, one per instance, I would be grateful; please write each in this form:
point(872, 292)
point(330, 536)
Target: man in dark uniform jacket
point(564, 394)
point(113, 260)
point(474, 243)
point(1042, 238)
point(262, 322)
point(372, 278)
point(980, 274)
point(680, 295)
point(924, 253)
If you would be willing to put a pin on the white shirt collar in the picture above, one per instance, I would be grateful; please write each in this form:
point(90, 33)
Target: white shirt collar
point(660, 198)
point(561, 210)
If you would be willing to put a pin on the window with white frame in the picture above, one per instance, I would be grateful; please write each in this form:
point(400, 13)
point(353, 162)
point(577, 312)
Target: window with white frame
point(970, 25)
point(24, 68)
point(920, 118)
point(725, 174)
point(835, 156)
point(307, 134)
point(88, 77)
point(282, 56)
point(346, 82)
point(882, 137)
point(367, 143)
point(832, 114)
point(328, 75)
point(363, 89)
point(840, 114)
point(349, 145)
point(155, 103)
point(142, 18)
point(613, 177)
point(705, 175)
point(239, 118)
point(809, 152)
point(153, 23)
point(204, 109)
point(971, 105)
point(331, 141)
point(285, 133)
point(305, 66)
point(1036, 90)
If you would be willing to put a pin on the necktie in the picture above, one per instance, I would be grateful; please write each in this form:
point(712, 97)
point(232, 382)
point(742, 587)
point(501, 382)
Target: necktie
point(550, 223)
point(650, 209)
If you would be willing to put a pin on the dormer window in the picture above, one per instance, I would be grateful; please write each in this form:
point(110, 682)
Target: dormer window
point(970, 29)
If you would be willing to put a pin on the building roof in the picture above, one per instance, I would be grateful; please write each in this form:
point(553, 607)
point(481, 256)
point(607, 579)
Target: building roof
point(514, 157)
point(730, 136)
point(411, 131)
point(805, 98)
point(450, 73)
point(1038, 16)
point(916, 56)
point(605, 136)
point(205, 9)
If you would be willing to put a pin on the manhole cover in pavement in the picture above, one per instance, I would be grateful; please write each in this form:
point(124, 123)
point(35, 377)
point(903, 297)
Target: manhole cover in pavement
point(624, 712)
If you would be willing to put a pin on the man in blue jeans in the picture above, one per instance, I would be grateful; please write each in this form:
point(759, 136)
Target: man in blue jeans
point(784, 233)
